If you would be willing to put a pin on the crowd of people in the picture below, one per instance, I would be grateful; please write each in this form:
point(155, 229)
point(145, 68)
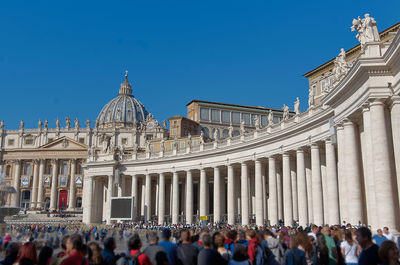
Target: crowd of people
point(199, 245)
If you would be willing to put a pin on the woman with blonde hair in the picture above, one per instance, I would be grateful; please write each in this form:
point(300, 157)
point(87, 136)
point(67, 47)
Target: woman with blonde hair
point(95, 256)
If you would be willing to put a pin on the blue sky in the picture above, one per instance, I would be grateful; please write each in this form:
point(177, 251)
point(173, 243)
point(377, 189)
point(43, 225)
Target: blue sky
point(67, 58)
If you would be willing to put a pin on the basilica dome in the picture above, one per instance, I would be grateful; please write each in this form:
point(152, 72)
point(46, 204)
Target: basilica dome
point(123, 111)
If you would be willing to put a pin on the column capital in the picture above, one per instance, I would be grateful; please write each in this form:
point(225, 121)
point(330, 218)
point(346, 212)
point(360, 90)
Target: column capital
point(300, 150)
point(348, 122)
point(394, 100)
point(314, 145)
point(285, 154)
point(36, 161)
point(54, 161)
point(365, 107)
point(377, 101)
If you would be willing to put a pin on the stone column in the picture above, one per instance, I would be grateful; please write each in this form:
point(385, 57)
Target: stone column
point(264, 191)
point(35, 183)
point(259, 193)
point(301, 187)
point(147, 200)
point(161, 198)
point(189, 197)
point(279, 189)
point(203, 193)
point(142, 198)
point(231, 195)
point(53, 196)
point(395, 120)
point(316, 185)
point(273, 195)
point(341, 173)
point(244, 192)
point(17, 174)
point(134, 194)
point(287, 190)
point(72, 188)
point(332, 183)
point(110, 193)
point(217, 195)
point(368, 167)
point(175, 198)
point(41, 185)
point(307, 162)
point(385, 197)
point(295, 199)
point(87, 200)
point(353, 173)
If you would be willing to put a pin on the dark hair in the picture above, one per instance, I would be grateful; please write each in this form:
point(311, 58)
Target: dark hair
point(240, 253)
point(12, 250)
point(27, 251)
point(76, 241)
point(153, 237)
point(384, 250)
point(95, 256)
point(44, 255)
point(64, 242)
point(349, 237)
point(134, 242)
point(207, 240)
point(268, 232)
point(364, 232)
point(109, 242)
point(322, 244)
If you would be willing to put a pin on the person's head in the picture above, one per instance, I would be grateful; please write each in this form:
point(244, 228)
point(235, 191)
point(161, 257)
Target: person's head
point(363, 236)
point(380, 232)
point(240, 253)
point(95, 256)
point(267, 233)
point(241, 235)
point(134, 242)
point(153, 237)
point(322, 243)
point(219, 240)
point(292, 242)
point(388, 251)
point(45, 254)
point(207, 240)
point(27, 251)
point(109, 243)
point(386, 230)
point(12, 250)
point(314, 229)
point(250, 234)
point(326, 231)
point(74, 243)
point(304, 241)
point(166, 234)
point(348, 236)
point(64, 243)
point(185, 236)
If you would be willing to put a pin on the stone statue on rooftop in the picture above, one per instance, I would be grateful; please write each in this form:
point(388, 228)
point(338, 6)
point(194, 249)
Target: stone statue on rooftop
point(297, 106)
point(162, 145)
point(230, 132)
point(311, 97)
point(164, 123)
point(46, 124)
point(216, 135)
point(40, 124)
point(76, 123)
point(21, 124)
point(285, 112)
point(242, 130)
point(58, 124)
point(67, 122)
point(367, 30)
point(270, 118)
point(88, 123)
point(257, 122)
point(201, 137)
point(2, 125)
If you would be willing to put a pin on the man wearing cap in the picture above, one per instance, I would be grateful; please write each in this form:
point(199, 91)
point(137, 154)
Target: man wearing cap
point(169, 247)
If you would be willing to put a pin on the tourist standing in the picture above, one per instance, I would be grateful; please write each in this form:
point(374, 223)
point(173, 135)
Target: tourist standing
point(294, 256)
point(95, 256)
point(240, 256)
point(186, 252)
point(349, 249)
point(74, 246)
point(389, 253)
point(219, 241)
point(134, 246)
point(156, 253)
point(108, 252)
point(369, 254)
point(379, 237)
point(274, 245)
point(11, 254)
point(387, 234)
point(322, 251)
point(168, 246)
point(208, 255)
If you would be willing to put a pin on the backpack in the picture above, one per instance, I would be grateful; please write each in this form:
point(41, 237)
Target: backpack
point(264, 256)
point(131, 260)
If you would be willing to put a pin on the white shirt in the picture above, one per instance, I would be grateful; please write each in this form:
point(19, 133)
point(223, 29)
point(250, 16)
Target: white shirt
point(389, 236)
point(350, 252)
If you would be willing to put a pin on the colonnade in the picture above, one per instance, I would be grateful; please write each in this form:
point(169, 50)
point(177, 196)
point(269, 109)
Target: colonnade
point(346, 176)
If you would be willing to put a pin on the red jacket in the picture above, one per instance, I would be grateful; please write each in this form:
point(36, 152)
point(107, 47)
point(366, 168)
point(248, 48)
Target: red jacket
point(74, 258)
point(142, 258)
point(252, 249)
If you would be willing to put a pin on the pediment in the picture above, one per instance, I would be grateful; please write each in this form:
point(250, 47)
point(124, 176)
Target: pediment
point(64, 143)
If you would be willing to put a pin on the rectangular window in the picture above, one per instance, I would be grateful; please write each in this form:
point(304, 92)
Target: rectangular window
point(204, 114)
point(29, 141)
point(277, 119)
point(246, 118)
point(226, 116)
point(82, 140)
point(182, 144)
point(215, 115)
point(149, 137)
point(236, 117)
point(174, 131)
point(264, 120)
point(10, 142)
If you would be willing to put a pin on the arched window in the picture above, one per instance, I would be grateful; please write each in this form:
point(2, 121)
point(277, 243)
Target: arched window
point(225, 133)
point(64, 169)
point(206, 132)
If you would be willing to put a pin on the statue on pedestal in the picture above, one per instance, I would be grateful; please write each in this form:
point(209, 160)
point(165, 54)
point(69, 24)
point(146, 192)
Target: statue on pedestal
point(242, 130)
point(216, 134)
point(367, 30)
point(297, 106)
point(285, 112)
point(58, 124)
point(2, 125)
point(189, 140)
point(257, 122)
point(76, 123)
point(230, 132)
point(270, 118)
point(21, 124)
point(67, 123)
point(162, 145)
point(40, 124)
point(46, 124)
point(311, 97)
point(88, 123)
point(201, 137)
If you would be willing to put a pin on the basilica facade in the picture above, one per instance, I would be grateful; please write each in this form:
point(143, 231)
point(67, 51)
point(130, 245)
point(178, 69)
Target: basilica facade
point(338, 161)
